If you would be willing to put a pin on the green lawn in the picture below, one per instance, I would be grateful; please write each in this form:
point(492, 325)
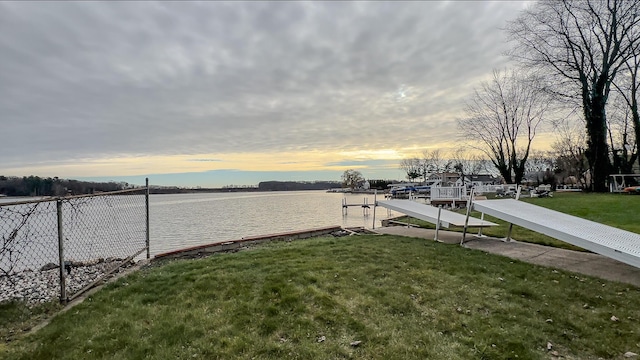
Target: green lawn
point(618, 210)
point(403, 298)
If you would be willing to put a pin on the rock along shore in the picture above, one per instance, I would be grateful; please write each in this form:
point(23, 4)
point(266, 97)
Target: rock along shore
point(41, 286)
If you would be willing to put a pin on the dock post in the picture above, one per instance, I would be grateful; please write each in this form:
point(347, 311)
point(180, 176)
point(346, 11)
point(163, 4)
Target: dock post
point(480, 229)
point(375, 203)
point(466, 220)
point(365, 206)
point(511, 224)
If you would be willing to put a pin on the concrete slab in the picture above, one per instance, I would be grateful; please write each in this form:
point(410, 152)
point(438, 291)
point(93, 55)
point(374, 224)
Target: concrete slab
point(575, 261)
point(449, 237)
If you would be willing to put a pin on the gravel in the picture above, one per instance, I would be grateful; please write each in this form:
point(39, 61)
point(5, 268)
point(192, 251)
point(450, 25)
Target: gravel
point(43, 285)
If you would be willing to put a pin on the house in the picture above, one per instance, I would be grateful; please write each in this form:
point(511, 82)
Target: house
point(446, 178)
point(484, 179)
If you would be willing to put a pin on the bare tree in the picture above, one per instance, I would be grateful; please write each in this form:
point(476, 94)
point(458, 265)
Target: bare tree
point(540, 166)
point(569, 149)
point(432, 162)
point(501, 120)
point(352, 178)
point(621, 135)
point(412, 167)
point(467, 163)
point(582, 45)
point(627, 86)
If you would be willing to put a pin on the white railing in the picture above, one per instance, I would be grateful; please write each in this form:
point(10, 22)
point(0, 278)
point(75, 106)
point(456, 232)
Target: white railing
point(448, 193)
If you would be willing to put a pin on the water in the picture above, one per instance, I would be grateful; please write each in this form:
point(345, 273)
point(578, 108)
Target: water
point(93, 228)
point(183, 220)
point(114, 226)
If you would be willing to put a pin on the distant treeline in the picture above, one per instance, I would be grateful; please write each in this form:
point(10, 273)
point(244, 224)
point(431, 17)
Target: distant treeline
point(314, 185)
point(297, 185)
point(380, 184)
point(37, 186)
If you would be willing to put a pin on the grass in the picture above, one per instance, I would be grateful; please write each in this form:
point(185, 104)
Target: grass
point(619, 210)
point(403, 298)
point(17, 318)
point(616, 210)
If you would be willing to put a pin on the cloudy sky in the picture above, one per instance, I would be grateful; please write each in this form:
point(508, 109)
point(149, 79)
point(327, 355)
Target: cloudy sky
point(219, 93)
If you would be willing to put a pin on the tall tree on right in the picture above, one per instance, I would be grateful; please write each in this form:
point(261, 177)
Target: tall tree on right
point(582, 45)
point(628, 86)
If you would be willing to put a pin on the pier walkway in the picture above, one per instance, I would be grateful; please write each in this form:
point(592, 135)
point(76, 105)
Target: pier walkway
point(433, 214)
point(618, 244)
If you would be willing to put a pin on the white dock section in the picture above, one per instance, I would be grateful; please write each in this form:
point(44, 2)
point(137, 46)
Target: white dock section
point(606, 240)
point(430, 213)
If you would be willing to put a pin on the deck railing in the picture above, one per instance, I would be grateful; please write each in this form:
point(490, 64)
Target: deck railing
point(448, 193)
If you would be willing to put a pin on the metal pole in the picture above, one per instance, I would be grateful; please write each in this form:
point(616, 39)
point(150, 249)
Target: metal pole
point(375, 203)
point(480, 229)
point(438, 222)
point(511, 225)
point(63, 287)
point(146, 203)
point(466, 220)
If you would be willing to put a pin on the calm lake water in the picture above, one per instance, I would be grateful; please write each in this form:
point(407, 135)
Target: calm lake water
point(183, 220)
point(114, 226)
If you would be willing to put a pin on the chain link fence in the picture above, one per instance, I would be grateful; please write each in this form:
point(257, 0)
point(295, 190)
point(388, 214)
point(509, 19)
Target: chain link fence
point(61, 247)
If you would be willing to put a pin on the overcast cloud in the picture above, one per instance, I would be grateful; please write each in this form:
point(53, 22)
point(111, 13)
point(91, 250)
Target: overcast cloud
point(98, 80)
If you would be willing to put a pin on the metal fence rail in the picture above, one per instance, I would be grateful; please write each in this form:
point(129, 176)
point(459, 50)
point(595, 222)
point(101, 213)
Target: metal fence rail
point(60, 247)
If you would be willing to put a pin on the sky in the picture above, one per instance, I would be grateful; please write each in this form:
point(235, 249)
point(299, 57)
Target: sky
point(233, 93)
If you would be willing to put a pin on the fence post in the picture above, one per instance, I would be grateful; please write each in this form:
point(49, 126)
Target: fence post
point(63, 287)
point(146, 201)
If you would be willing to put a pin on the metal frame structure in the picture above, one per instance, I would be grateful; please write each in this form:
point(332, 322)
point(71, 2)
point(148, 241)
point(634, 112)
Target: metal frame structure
point(618, 244)
point(435, 215)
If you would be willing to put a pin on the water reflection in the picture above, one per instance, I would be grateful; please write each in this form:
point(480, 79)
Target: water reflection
point(183, 220)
